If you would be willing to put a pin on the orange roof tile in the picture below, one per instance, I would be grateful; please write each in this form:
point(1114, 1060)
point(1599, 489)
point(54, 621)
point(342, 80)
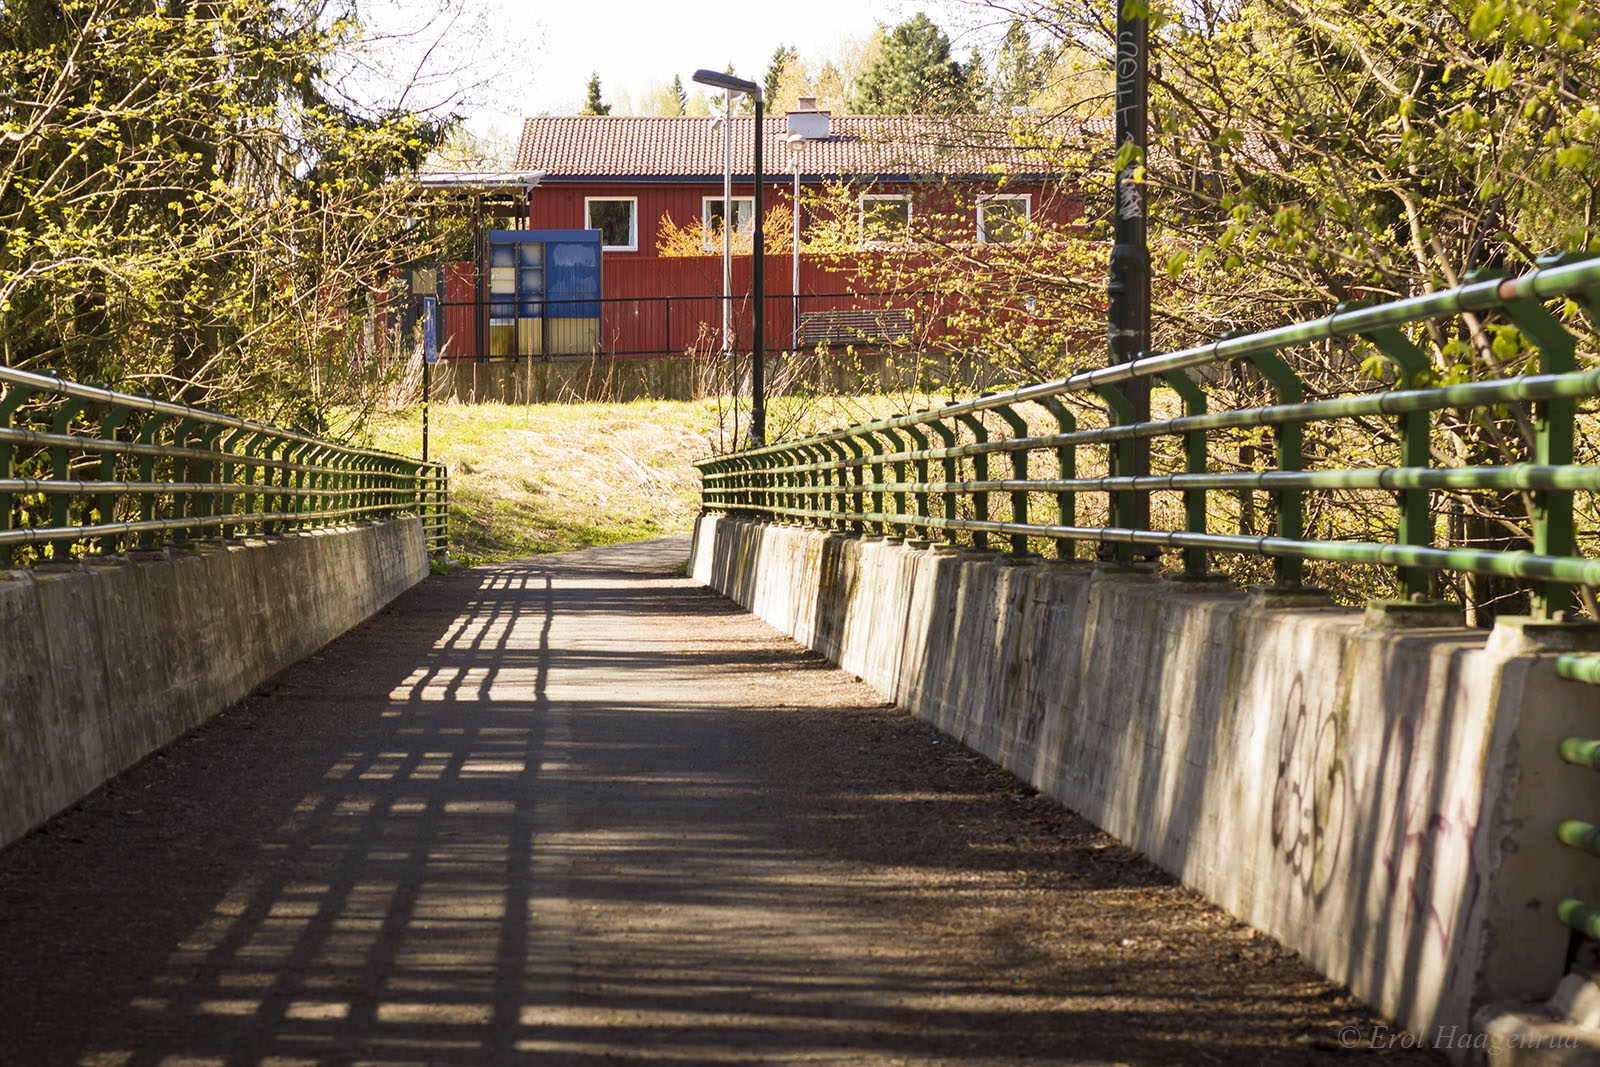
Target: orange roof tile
point(603, 146)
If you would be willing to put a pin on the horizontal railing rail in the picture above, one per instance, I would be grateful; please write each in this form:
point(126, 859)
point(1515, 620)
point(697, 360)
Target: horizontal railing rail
point(87, 470)
point(927, 474)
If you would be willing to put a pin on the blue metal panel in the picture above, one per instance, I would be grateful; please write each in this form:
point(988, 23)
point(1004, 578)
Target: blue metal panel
point(561, 266)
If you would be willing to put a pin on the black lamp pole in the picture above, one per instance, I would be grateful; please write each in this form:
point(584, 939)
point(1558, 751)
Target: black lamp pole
point(758, 355)
point(1128, 290)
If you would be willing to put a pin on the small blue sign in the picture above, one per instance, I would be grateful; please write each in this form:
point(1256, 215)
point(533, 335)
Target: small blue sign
point(430, 331)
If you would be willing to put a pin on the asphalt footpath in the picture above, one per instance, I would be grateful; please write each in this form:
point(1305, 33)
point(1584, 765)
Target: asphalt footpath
point(580, 810)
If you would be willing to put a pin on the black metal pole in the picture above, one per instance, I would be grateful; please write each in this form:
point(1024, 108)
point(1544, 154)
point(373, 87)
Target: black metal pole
point(1128, 289)
point(758, 353)
point(427, 396)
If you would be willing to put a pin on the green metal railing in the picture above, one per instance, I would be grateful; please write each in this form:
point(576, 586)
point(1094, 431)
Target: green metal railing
point(87, 470)
point(1583, 752)
point(928, 474)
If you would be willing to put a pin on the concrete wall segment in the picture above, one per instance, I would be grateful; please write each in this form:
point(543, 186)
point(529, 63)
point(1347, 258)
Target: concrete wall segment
point(1382, 800)
point(107, 661)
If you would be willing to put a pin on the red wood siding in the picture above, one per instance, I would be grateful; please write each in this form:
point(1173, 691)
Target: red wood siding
point(559, 205)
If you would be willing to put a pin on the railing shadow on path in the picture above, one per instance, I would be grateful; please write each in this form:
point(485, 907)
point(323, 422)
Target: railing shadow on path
point(550, 812)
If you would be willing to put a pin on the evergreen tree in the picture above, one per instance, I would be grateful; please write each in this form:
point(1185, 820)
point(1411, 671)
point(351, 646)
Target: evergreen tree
point(1019, 69)
point(782, 59)
point(683, 97)
point(594, 105)
point(913, 72)
point(979, 87)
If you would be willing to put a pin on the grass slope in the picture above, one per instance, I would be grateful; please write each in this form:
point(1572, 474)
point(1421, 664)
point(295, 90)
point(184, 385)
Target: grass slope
point(553, 477)
point(531, 479)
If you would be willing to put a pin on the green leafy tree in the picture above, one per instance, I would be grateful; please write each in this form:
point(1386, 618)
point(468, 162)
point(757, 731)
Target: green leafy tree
point(1309, 152)
point(216, 230)
point(913, 72)
point(682, 97)
point(593, 103)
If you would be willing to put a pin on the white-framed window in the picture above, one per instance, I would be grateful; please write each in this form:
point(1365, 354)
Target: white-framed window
point(711, 211)
point(1003, 218)
point(617, 219)
point(885, 217)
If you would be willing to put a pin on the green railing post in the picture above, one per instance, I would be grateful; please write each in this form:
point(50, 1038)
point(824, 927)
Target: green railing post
point(897, 445)
point(15, 396)
point(182, 500)
point(1019, 472)
point(61, 471)
point(840, 480)
point(1066, 468)
point(711, 485)
point(919, 442)
point(317, 483)
point(855, 455)
point(229, 475)
point(1290, 456)
point(1121, 508)
point(874, 472)
point(980, 473)
point(208, 474)
point(147, 468)
point(106, 503)
point(1554, 422)
point(1194, 462)
point(947, 440)
point(1416, 434)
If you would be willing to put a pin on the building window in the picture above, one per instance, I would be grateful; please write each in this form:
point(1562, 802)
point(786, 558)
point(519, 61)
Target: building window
point(885, 217)
point(1003, 218)
point(617, 219)
point(744, 221)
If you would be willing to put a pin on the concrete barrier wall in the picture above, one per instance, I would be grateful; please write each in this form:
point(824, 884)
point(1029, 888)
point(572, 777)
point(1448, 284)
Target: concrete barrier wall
point(1378, 795)
point(106, 662)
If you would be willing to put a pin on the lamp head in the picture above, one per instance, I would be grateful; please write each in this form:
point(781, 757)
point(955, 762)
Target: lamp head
point(728, 81)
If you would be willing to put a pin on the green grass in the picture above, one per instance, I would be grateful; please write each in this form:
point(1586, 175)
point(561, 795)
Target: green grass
point(548, 478)
point(526, 480)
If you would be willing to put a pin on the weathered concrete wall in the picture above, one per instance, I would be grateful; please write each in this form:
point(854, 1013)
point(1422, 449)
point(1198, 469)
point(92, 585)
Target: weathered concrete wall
point(1381, 799)
point(106, 662)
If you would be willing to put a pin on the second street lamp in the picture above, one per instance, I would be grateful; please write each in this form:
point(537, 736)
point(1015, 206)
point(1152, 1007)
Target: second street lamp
point(758, 400)
point(797, 145)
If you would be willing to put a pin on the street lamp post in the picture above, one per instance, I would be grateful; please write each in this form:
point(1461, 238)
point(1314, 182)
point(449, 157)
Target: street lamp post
point(797, 145)
point(758, 400)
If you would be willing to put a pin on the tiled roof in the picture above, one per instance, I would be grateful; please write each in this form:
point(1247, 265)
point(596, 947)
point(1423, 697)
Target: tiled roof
point(602, 146)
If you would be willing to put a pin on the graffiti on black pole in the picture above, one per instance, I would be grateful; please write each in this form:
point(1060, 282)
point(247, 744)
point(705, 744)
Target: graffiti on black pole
point(1130, 114)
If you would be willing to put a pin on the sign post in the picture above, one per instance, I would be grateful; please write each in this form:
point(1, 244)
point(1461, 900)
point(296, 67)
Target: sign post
point(430, 356)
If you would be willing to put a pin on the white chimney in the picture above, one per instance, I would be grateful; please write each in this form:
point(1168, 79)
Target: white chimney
point(807, 121)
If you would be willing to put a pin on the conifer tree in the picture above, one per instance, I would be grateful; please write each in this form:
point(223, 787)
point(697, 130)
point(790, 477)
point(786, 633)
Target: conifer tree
point(595, 105)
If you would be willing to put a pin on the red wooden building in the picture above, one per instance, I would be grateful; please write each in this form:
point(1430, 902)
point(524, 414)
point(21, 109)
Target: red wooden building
point(972, 178)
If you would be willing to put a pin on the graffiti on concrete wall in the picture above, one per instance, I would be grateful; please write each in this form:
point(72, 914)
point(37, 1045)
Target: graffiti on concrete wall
point(1427, 851)
point(1311, 797)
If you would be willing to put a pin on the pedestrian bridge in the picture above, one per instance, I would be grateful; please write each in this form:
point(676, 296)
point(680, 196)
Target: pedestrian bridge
point(583, 808)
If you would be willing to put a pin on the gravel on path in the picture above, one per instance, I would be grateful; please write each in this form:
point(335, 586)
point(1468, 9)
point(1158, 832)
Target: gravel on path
point(577, 810)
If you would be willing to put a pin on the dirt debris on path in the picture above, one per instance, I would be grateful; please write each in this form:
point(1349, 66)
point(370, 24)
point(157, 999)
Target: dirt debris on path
point(579, 810)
